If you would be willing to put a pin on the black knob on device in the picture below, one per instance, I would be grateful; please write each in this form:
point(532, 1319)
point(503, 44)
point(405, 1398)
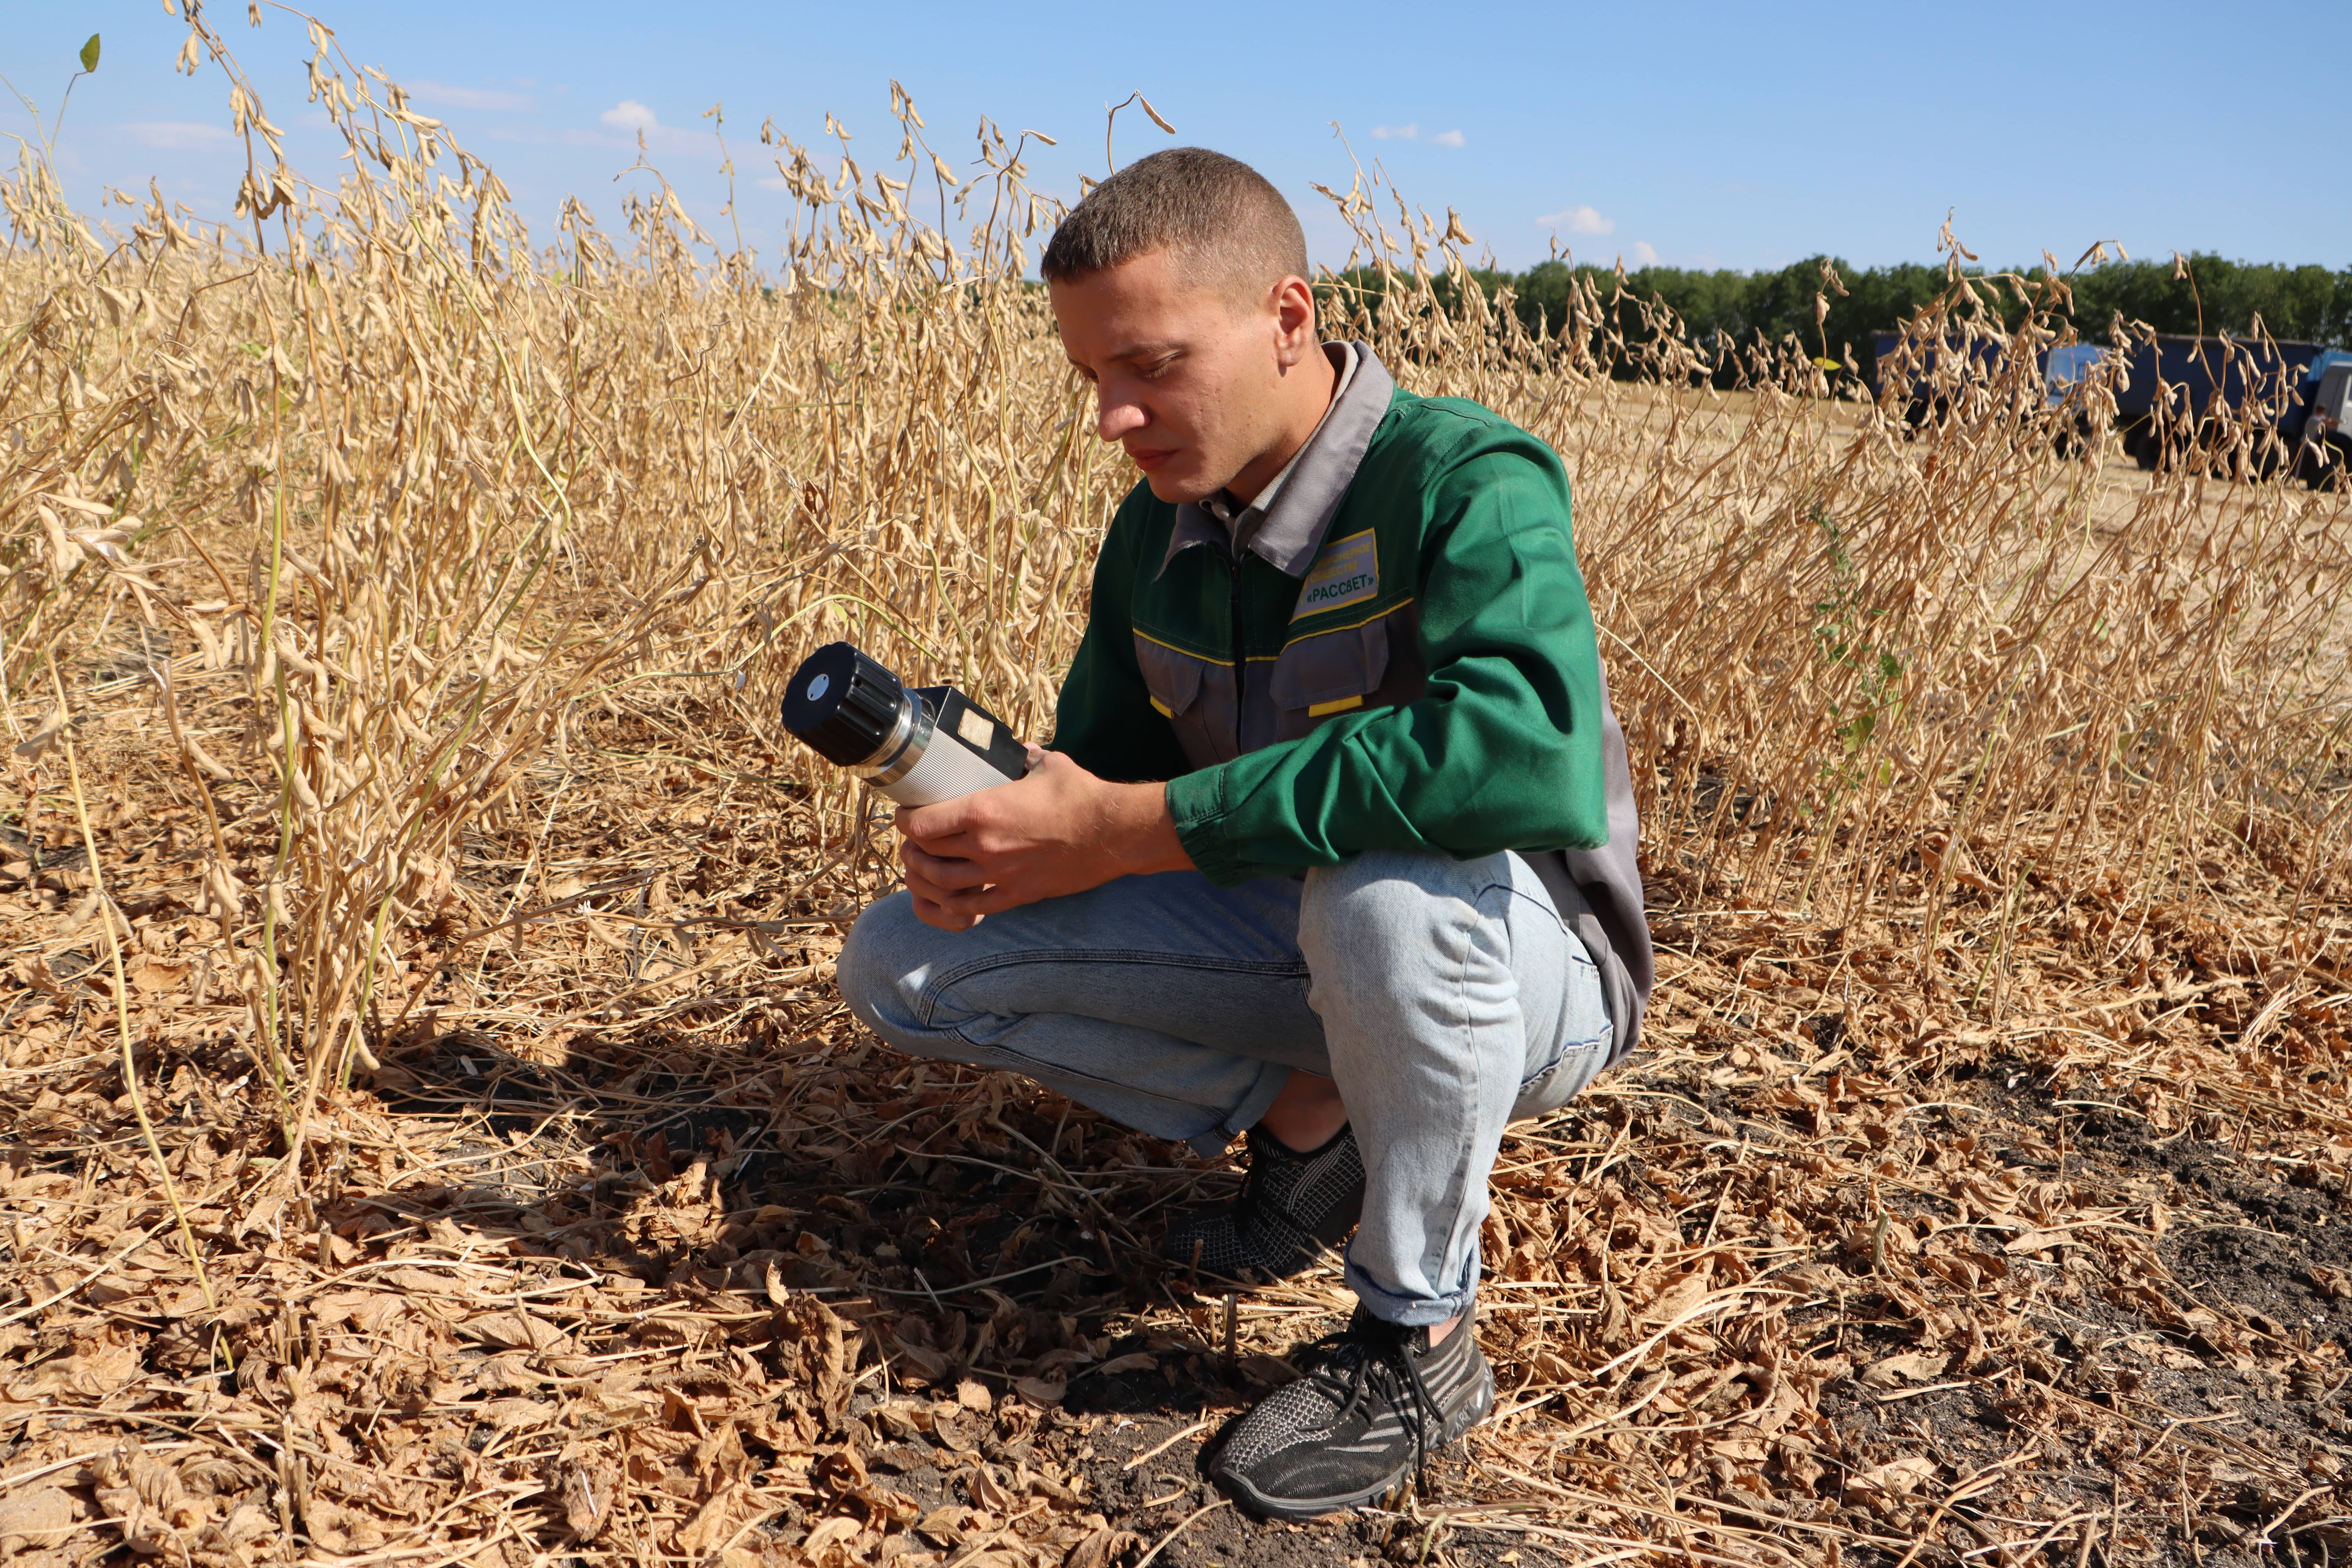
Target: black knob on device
point(842, 704)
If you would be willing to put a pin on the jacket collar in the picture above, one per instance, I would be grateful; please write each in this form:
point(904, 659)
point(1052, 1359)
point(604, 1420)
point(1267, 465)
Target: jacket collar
point(1285, 524)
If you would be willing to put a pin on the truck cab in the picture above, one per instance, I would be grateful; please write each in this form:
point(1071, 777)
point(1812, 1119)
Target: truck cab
point(2327, 446)
point(2067, 367)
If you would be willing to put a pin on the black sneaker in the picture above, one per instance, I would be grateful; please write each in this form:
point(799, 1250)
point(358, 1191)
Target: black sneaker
point(1377, 1403)
point(1292, 1207)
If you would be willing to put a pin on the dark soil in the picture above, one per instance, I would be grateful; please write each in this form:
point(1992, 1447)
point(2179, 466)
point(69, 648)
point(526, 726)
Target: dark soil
point(2226, 1392)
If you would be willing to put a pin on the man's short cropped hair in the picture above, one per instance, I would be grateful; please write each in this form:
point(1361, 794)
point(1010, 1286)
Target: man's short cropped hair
point(1216, 213)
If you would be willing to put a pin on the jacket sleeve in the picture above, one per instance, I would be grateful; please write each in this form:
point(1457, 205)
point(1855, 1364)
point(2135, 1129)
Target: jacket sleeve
point(1104, 720)
point(1503, 750)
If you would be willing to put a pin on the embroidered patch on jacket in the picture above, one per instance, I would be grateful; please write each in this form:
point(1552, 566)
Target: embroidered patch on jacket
point(1347, 573)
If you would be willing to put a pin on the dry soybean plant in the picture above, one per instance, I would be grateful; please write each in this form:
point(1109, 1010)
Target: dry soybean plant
point(417, 491)
point(413, 492)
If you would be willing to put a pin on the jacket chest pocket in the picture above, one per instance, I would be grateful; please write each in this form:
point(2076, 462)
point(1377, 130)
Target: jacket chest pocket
point(1319, 678)
point(1195, 695)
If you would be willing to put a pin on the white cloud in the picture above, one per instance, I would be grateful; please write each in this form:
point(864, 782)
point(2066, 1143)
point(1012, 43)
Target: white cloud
point(629, 119)
point(174, 133)
point(1578, 220)
point(467, 97)
point(1644, 254)
point(1412, 133)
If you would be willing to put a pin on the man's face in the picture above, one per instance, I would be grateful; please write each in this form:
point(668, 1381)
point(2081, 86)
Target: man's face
point(1188, 379)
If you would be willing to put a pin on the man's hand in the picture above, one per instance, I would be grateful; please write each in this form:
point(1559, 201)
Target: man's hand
point(1060, 830)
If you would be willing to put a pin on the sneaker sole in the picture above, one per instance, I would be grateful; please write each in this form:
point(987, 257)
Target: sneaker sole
point(1297, 1508)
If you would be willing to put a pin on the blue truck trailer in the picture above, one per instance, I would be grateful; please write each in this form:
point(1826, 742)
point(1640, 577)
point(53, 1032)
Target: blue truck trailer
point(2175, 395)
point(2177, 391)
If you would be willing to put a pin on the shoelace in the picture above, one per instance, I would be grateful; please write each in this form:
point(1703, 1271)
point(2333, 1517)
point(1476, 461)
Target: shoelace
point(1367, 1345)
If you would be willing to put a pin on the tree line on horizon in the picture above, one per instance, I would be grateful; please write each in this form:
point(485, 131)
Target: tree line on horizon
point(2211, 294)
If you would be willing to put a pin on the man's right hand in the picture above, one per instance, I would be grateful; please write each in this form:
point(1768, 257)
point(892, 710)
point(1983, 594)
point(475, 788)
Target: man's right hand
point(1059, 831)
point(957, 877)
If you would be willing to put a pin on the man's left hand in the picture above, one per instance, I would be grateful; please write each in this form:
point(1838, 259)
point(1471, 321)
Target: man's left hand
point(1060, 830)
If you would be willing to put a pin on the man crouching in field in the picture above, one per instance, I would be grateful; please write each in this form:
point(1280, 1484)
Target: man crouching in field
point(1334, 843)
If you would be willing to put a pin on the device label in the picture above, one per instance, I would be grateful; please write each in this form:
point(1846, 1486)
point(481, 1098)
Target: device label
point(978, 732)
point(1348, 572)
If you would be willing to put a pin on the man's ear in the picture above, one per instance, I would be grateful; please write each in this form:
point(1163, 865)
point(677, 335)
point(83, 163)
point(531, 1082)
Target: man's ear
point(1294, 316)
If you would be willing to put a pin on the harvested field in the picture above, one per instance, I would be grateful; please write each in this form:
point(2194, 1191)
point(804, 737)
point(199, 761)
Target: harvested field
point(431, 1136)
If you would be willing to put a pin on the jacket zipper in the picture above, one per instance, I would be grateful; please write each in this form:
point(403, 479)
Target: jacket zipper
point(1241, 659)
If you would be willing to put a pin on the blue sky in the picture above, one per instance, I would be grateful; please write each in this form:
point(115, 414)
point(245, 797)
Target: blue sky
point(1700, 135)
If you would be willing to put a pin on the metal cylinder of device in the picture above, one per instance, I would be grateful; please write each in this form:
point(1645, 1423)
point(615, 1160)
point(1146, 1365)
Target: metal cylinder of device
point(853, 711)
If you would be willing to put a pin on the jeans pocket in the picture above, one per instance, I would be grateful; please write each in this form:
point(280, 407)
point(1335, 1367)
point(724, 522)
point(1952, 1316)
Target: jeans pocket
point(1562, 1082)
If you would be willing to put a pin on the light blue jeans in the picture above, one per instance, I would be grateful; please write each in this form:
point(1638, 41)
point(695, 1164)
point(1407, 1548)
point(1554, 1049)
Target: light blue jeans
point(1446, 997)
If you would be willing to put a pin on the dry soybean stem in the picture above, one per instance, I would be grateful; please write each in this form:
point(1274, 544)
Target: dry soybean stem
point(1144, 1561)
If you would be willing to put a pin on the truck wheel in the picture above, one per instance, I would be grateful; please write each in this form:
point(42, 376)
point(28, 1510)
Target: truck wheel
point(2217, 454)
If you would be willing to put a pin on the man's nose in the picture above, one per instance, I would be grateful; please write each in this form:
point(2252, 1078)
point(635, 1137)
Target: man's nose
point(1116, 416)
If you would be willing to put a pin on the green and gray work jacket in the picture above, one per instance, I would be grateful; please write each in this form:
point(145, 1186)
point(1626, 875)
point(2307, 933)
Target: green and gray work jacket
point(1388, 648)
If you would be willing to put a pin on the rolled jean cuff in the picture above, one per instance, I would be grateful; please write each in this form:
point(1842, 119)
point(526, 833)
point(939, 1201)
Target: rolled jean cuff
point(1413, 1311)
point(1262, 1094)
